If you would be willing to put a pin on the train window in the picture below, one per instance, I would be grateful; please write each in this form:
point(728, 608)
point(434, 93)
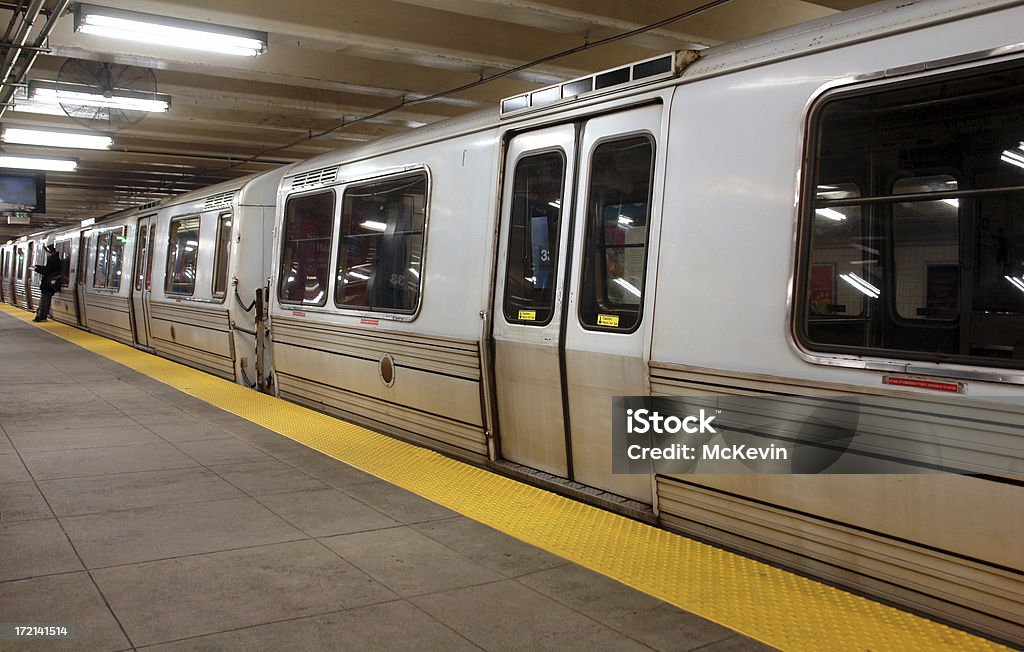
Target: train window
point(220, 264)
point(615, 240)
point(931, 245)
point(149, 258)
point(115, 259)
point(182, 256)
point(306, 253)
point(109, 255)
point(382, 237)
point(141, 253)
point(65, 263)
point(19, 263)
point(99, 272)
point(530, 278)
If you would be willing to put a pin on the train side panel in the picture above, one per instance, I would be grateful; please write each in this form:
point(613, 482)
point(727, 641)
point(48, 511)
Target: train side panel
point(414, 367)
point(725, 324)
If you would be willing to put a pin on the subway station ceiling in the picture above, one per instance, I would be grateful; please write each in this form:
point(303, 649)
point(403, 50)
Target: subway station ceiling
point(335, 74)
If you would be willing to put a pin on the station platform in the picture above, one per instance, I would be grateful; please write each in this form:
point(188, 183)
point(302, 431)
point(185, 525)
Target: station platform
point(146, 505)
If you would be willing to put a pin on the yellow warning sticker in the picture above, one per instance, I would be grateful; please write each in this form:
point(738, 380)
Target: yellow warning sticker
point(528, 315)
point(608, 320)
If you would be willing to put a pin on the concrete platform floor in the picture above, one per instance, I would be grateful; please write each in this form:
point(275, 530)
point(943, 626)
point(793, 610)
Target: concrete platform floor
point(143, 518)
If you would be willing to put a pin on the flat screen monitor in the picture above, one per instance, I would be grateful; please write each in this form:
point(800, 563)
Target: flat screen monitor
point(23, 190)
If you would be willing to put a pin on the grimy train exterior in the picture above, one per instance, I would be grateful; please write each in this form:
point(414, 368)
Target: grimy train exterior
point(836, 209)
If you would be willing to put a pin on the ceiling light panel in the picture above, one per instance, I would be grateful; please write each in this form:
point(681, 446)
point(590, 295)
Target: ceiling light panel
point(164, 30)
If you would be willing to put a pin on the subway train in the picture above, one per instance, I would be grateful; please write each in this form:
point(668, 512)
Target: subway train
point(831, 210)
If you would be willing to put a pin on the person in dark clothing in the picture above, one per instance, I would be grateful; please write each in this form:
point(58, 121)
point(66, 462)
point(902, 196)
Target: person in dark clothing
point(50, 283)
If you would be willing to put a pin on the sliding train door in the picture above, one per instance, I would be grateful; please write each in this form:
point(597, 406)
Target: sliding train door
point(140, 283)
point(571, 320)
point(529, 299)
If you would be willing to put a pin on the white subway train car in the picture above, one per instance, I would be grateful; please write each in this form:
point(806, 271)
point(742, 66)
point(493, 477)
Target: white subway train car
point(832, 210)
point(829, 210)
point(209, 251)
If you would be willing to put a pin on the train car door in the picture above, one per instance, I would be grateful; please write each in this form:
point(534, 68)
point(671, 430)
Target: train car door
point(80, 278)
point(536, 201)
point(570, 328)
point(611, 307)
point(140, 283)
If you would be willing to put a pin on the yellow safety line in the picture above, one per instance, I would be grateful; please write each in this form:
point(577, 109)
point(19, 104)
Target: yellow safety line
point(771, 605)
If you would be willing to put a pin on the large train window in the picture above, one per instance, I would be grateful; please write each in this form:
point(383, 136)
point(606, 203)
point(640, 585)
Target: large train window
point(182, 256)
point(382, 236)
point(220, 261)
point(109, 255)
point(530, 279)
point(615, 240)
point(912, 243)
point(306, 253)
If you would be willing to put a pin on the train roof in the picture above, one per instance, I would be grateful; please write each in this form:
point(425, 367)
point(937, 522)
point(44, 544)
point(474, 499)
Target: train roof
point(866, 23)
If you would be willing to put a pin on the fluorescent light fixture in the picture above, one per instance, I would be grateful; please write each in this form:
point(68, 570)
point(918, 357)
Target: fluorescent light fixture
point(48, 92)
point(830, 213)
point(358, 275)
point(374, 225)
point(33, 163)
point(861, 285)
point(955, 203)
point(50, 138)
point(164, 30)
point(89, 222)
point(555, 204)
point(625, 221)
point(1017, 282)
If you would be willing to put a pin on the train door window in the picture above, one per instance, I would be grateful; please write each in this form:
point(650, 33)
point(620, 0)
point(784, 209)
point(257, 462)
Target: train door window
point(115, 259)
point(382, 239)
point(64, 249)
point(19, 263)
point(141, 249)
point(615, 239)
point(182, 256)
point(220, 264)
point(306, 252)
point(530, 280)
point(99, 272)
point(149, 258)
point(937, 225)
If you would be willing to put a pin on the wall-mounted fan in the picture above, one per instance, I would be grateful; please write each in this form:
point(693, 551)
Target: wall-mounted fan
point(85, 85)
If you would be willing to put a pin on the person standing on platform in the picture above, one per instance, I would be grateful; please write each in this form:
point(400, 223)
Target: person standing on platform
point(50, 283)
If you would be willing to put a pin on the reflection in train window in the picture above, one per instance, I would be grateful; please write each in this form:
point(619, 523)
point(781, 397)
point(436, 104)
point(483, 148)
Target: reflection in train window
point(306, 252)
point(182, 255)
point(382, 237)
point(913, 242)
point(99, 272)
point(141, 254)
point(220, 264)
point(530, 280)
point(615, 240)
point(64, 250)
point(109, 255)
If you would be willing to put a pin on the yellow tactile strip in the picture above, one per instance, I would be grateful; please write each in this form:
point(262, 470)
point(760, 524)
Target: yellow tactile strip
point(771, 605)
